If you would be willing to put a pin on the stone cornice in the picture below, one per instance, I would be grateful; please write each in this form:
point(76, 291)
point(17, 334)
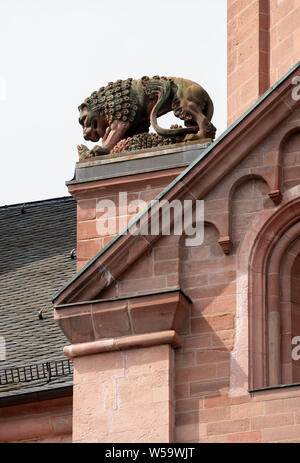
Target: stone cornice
point(153, 318)
point(123, 343)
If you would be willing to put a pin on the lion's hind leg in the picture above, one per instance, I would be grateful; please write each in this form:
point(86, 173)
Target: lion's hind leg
point(206, 128)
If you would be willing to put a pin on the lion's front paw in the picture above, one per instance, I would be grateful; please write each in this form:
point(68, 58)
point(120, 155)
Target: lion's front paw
point(98, 151)
point(83, 152)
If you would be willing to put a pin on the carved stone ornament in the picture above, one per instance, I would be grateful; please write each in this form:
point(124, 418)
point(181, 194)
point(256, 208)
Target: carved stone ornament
point(121, 114)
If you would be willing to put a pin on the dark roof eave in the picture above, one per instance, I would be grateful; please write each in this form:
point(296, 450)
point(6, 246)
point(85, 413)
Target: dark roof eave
point(36, 203)
point(36, 396)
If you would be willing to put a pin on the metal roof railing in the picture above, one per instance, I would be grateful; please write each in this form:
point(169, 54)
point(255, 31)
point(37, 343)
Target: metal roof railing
point(27, 373)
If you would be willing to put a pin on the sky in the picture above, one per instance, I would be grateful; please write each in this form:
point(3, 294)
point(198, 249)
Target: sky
point(55, 53)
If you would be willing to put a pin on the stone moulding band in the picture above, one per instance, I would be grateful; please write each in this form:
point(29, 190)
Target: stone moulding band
point(123, 343)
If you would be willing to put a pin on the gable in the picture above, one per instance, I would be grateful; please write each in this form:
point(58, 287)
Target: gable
point(203, 175)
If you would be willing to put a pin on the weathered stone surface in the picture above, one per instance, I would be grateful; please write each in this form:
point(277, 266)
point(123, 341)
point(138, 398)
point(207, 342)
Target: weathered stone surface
point(126, 108)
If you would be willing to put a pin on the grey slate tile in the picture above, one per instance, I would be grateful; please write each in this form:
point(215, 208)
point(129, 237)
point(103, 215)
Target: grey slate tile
point(34, 263)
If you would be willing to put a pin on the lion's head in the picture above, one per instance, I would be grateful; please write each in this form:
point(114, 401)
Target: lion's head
point(91, 121)
point(100, 109)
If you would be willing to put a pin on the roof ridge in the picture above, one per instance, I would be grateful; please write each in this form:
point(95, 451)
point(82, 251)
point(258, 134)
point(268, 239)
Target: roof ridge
point(37, 202)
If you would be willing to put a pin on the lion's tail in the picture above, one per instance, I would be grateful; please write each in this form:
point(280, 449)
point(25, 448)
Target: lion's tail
point(164, 88)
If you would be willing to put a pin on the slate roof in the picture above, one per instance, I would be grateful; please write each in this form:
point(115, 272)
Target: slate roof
point(35, 261)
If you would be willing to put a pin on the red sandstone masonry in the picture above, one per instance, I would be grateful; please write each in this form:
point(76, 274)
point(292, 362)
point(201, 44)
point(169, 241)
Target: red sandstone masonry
point(245, 437)
point(46, 421)
point(238, 419)
point(247, 422)
point(284, 36)
point(212, 323)
point(247, 50)
point(263, 44)
point(272, 421)
point(209, 278)
point(204, 411)
point(122, 413)
point(89, 240)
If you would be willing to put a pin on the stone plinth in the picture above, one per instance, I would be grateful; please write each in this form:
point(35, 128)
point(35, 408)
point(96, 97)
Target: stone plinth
point(124, 396)
point(123, 357)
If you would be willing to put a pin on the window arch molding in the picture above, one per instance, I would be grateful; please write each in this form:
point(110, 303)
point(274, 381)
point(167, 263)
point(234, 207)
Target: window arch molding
point(249, 356)
point(267, 254)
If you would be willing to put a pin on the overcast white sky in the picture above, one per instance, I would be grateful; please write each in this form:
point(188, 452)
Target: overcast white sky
point(54, 53)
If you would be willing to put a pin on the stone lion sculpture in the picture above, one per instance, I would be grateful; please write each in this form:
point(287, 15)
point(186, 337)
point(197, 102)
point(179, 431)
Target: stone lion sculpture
point(126, 108)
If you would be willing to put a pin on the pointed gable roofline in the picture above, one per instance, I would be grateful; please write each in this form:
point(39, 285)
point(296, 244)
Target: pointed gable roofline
point(205, 172)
